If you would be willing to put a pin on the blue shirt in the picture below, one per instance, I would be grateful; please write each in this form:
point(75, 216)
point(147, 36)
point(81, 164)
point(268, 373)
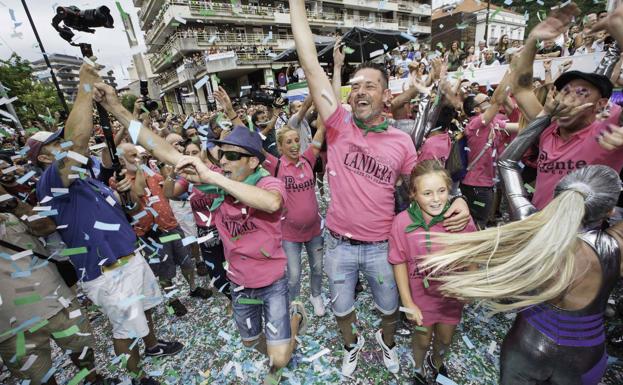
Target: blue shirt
point(79, 209)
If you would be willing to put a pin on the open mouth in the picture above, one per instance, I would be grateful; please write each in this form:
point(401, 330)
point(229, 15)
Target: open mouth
point(362, 103)
point(227, 174)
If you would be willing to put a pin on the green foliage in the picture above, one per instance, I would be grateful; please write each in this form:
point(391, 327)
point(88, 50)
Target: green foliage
point(34, 97)
point(533, 8)
point(128, 101)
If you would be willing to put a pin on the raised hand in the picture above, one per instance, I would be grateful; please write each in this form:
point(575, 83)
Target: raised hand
point(612, 138)
point(338, 53)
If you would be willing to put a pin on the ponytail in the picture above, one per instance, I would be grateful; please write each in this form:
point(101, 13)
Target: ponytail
point(519, 264)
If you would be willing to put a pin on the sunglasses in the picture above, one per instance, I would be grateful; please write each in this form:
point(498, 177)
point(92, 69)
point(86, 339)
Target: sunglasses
point(233, 155)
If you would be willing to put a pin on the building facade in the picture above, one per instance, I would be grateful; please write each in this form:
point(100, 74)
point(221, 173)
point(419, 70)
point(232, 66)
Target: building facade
point(67, 71)
point(238, 39)
point(466, 22)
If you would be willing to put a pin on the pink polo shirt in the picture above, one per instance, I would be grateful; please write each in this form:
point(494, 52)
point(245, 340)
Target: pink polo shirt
point(362, 172)
point(559, 157)
point(199, 203)
point(252, 239)
point(483, 171)
point(410, 248)
point(301, 220)
point(436, 147)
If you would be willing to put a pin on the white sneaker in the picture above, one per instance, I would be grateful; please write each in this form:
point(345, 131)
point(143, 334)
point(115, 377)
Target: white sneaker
point(349, 362)
point(318, 305)
point(390, 358)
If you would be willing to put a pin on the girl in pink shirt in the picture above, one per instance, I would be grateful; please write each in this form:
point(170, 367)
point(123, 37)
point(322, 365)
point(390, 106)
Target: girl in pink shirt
point(409, 241)
point(301, 217)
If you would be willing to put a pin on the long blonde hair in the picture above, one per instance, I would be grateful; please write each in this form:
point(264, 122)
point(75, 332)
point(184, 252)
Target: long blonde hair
point(530, 261)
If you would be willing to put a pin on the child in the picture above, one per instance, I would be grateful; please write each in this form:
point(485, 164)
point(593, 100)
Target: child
point(409, 241)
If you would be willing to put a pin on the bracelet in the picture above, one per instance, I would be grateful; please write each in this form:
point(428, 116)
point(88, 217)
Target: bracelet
point(316, 144)
point(457, 197)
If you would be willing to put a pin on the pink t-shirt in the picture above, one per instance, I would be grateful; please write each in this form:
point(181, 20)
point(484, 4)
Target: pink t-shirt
point(301, 220)
point(252, 239)
point(409, 248)
point(482, 172)
point(436, 147)
point(362, 172)
point(558, 157)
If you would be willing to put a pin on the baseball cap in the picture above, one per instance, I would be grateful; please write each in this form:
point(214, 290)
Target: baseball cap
point(242, 137)
point(38, 140)
point(601, 82)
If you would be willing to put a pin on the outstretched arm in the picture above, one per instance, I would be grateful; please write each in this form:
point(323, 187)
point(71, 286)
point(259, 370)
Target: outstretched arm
point(338, 63)
point(324, 99)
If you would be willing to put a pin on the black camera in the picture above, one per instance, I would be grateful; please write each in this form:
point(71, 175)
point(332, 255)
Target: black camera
point(268, 99)
point(79, 20)
point(150, 104)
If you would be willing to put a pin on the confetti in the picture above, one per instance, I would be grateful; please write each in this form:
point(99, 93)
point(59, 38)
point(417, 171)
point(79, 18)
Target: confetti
point(106, 226)
point(477, 203)
point(77, 157)
point(70, 331)
point(73, 251)
point(170, 238)
point(529, 188)
point(25, 177)
point(27, 300)
point(79, 377)
point(468, 342)
point(443, 380)
point(317, 355)
point(250, 301)
point(134, 129)
point(462, 25)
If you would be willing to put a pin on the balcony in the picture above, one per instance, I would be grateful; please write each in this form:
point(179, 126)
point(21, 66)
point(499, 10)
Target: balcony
point(149, 10)
point(420, 29)
point(225, 13)
point(372, 5)
point(415, 8)
point(366, 22)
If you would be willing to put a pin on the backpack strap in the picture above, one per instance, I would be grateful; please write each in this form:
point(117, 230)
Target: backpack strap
point(277, 168)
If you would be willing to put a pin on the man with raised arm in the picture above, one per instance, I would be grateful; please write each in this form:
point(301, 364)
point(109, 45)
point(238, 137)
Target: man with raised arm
point(366, 157)
point(101, 243)
point(577, 139)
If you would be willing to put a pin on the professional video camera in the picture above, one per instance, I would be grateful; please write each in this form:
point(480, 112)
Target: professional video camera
point(150, 104)
point(79, 20)
point(274, 98)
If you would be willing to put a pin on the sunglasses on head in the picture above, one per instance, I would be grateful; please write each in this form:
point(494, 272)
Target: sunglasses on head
point(233, 155)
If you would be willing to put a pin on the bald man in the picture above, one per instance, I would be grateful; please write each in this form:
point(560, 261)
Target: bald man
point(155, 223)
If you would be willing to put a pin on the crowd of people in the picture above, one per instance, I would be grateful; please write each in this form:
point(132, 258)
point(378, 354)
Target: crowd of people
point(445, 194)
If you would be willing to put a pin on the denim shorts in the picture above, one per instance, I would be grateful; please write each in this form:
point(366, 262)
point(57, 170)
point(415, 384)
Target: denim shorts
point(275, 309)
point(342, 264)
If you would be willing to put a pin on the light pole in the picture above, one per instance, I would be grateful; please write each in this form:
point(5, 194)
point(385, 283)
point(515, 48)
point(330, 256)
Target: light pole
point(61, 97)
point(486, 23)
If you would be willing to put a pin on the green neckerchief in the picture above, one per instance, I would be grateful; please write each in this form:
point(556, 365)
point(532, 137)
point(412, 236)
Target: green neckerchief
point(417, 217)
point(212, 189)
point(378, 128)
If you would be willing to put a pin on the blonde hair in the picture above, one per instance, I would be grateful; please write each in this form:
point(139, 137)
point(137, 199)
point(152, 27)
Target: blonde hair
point(428, 166)
point(530, 261)
point(281, 134)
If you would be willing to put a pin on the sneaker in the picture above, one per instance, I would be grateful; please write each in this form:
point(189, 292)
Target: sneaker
point(349, 362)
point(390, 358)
point(178, 308)
point(202, 269)
point(164, 349)
point(297, 307)
point(318, 305)
point(419, 379)
point(201, 292)
point(440, 370)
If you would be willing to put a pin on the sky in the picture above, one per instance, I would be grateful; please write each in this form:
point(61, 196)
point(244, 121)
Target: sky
point(109, 45)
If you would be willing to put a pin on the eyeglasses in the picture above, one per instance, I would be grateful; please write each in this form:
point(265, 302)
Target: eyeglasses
point(579, 91)
point(233, 156)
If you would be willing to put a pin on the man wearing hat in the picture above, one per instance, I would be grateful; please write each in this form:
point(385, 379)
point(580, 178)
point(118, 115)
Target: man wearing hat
point(576, 139)
point(100, 241)
point(246, 209)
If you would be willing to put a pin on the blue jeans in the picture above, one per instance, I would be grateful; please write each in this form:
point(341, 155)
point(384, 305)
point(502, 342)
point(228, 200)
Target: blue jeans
point(342, 263)
point(275, 309)
point(314, 253)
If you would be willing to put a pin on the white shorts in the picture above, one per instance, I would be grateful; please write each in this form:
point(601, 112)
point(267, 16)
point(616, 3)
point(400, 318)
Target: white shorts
point(123, 294)
point(184, 215)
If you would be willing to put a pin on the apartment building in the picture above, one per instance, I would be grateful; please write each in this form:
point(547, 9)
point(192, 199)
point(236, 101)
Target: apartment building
point(67, 71)
point(238, 39)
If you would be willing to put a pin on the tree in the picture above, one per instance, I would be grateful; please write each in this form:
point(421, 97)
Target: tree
point(534, 9)
point(34, 98)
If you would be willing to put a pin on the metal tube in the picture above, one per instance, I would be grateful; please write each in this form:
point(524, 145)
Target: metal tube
point(61, 97)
